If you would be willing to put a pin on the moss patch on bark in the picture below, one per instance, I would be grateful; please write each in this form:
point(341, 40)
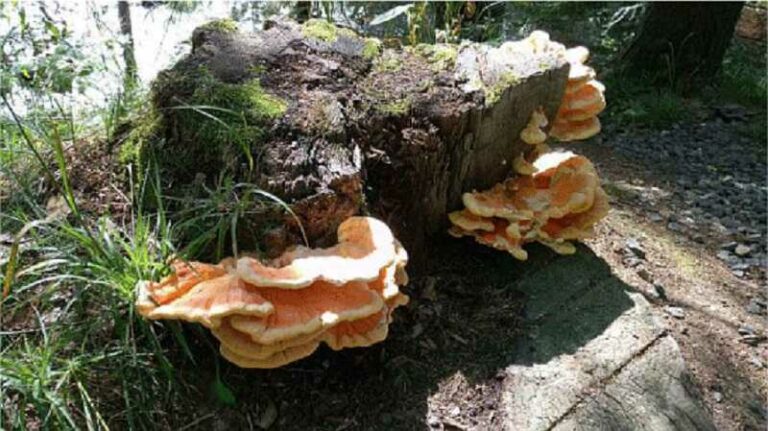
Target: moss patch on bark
point(214, 125)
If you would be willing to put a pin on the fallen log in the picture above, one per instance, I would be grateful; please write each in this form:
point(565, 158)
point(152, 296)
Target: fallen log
point(336, 124)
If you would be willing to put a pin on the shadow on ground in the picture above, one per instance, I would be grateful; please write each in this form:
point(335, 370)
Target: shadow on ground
point(470, 316)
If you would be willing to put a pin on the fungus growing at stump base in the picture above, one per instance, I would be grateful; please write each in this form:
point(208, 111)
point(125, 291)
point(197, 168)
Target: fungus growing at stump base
point(559, 203)
point(268, 314)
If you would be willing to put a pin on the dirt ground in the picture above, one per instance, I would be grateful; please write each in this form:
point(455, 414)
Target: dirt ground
point(439, 369)
point(721, 330)
point(441, 366)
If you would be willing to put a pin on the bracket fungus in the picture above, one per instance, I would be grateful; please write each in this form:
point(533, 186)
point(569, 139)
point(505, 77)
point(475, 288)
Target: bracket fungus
point(584, 99)
point(268, 314)
point(532, 133)
point(560, 202)
point(365, 245)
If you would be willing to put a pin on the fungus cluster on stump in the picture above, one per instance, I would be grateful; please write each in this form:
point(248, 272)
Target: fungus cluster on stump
point(559, 203)
point(556, 197)
point(270, 314)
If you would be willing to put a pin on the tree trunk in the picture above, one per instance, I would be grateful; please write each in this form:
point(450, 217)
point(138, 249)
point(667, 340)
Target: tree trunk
point(682, 43)
point(129, 57)
point(302, 11)
point(399, 134)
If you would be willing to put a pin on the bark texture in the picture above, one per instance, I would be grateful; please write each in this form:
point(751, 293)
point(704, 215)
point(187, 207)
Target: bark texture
point(349, 127)
point(683, 42)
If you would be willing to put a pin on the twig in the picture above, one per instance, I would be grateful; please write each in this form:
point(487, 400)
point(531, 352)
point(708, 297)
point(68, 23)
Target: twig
point(196, 422)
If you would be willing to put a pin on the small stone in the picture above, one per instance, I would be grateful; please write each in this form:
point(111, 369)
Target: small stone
point(676, 312)
point(633, 245)
point(724, 255)
point(655, 217)
point(455, 411)
point(659, 291)
point(742, 250)
point(717, 396)
point(730, 245)
point(429, 292)
point(752, 339)
point(756, 306)
point(674, 226)
point(756, 361)
point(645, 275)
point(418, 329)
point(746, 330)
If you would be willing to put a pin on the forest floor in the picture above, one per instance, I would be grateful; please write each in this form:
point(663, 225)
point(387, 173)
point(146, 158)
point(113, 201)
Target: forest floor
point(686, 230)
point(443, 365)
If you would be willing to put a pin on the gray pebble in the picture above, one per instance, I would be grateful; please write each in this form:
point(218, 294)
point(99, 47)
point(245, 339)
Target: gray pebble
point(756, 306)
point(633, 245)
point(645, 275)
point(746, 330)
point(659, 291)
point(676, 312)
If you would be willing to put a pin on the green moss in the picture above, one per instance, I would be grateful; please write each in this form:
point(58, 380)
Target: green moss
point(395, 108)
point(257, 69)
point(493, 93)
point(144, 130)
point(388, 62)
point(372, 48)
point(224, 25)
point(323, 30)
point(319, 29)
point(442, 55)
point(213, 125)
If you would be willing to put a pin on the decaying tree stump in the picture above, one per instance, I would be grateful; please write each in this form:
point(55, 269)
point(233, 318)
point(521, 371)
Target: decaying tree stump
point(336, 125)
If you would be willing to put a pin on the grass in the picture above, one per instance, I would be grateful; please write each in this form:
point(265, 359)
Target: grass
point(67, 311)
point(82, 286)
point(743, 77)
point(648, 108)
point(73, 351)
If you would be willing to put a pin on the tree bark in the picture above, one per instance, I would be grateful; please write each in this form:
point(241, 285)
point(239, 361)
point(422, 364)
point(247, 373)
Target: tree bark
point(129, 57)
point(302, 11)
point(682, 43)
point(399, 135)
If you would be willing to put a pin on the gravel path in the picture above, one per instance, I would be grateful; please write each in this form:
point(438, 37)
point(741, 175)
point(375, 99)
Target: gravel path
point(688, 229)
point(703, 179)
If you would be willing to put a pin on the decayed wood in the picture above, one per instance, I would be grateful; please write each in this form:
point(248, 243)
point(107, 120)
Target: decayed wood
point(398, 133)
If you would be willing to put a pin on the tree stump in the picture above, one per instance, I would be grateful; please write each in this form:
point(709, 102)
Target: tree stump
point(336, 124)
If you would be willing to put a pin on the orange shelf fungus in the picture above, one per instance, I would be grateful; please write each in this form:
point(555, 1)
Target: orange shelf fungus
point(268, 314)
point(532, 133)
point(560, 202)
point(522, 166)
point(365, 246)
point(584, 99)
